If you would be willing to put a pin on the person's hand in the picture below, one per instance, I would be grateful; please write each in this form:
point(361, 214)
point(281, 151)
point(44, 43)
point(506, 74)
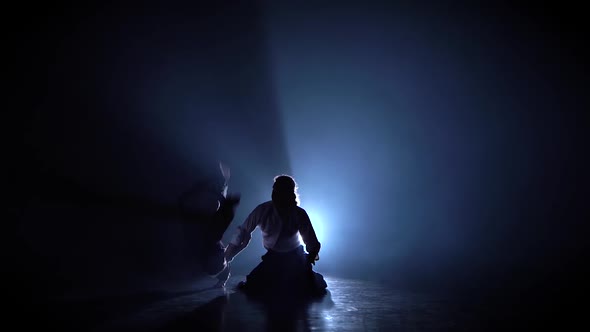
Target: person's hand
point(312, 258)
point(225, 171)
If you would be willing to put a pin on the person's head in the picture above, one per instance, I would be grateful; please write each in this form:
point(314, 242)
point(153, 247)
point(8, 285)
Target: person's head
point(284, 191)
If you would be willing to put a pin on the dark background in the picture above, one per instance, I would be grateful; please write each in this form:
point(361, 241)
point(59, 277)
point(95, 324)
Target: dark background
point(436, 147)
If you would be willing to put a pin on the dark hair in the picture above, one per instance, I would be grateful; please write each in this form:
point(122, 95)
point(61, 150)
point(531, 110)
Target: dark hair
point(284, 190)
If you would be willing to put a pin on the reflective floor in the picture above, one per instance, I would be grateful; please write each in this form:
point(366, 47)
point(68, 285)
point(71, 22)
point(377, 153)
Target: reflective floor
point(351, 305)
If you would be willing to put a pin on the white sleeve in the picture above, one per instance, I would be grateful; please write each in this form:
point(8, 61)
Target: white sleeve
point(244, 232)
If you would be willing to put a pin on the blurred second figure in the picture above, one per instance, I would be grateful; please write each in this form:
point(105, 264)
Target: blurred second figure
point(209, 210)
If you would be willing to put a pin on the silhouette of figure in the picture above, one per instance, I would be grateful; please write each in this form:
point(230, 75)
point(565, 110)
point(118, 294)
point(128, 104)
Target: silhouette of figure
point(285, 268)
point(210, 210)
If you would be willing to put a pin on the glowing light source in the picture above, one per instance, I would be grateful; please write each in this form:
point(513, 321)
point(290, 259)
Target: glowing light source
point(317, 222)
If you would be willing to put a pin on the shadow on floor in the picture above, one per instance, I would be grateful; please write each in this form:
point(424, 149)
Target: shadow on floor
point(85, 314)
point(236, 312)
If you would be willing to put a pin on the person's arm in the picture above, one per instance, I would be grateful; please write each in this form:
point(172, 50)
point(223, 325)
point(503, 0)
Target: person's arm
point(243, 235)
point(312, 245)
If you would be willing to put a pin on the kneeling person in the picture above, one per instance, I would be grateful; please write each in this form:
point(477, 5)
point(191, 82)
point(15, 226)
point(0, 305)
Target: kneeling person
point(285, 266)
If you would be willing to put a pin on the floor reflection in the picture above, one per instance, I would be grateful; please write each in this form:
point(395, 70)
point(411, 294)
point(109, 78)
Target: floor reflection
point(236, 312)
point(350, 305)
point(287, 315)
